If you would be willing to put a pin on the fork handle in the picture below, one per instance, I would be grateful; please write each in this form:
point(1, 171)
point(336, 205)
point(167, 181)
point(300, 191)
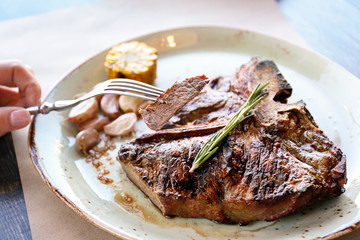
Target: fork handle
point(47, 107)
point(33, 110)
point(44, 108)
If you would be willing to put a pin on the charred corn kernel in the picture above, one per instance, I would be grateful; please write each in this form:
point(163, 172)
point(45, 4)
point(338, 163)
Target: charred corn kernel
point(134, 60)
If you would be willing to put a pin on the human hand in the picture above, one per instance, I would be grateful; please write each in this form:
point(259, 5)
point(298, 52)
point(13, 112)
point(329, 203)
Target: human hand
point(18, 89)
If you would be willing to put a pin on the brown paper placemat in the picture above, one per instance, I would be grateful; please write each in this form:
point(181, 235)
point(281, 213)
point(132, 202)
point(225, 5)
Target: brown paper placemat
point(55, 43)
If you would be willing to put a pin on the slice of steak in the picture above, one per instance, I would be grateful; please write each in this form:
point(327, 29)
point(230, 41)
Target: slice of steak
point(215, 105)
point(158, 113)
point(270, 165)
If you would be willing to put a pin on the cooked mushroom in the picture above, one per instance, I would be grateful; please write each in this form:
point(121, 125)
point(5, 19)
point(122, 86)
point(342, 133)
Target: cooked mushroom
point(87, 139)
point(130, 104)
point(84, 111)
point(110, 105)
point(121, 126)
point(96, 123)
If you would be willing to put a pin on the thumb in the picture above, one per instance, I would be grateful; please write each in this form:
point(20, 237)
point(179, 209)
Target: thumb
point(12, 118)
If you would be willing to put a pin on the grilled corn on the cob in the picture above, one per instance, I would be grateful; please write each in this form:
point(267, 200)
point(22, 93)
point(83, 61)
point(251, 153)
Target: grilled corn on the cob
point(134, 60)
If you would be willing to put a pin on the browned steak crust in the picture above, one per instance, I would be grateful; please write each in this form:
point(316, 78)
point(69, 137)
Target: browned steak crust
point(270, 165)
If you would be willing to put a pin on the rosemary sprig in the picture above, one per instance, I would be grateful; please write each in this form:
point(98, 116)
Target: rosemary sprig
point(212, 145)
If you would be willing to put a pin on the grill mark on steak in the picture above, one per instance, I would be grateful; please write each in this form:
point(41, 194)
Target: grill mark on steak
point(270, 165)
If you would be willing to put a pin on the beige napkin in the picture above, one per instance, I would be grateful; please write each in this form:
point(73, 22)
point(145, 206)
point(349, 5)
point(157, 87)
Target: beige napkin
point(55, 43)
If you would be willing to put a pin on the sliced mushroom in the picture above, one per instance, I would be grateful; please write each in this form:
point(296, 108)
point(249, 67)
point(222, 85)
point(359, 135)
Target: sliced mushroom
point(86, 139)
point(121, 126)
point(110, 105)
point(84, 111)
point(96, 123)
point(130, 104)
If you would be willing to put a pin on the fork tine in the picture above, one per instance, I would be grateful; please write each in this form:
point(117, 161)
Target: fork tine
point(130, 94)
point(134, 83)
point(130, 89)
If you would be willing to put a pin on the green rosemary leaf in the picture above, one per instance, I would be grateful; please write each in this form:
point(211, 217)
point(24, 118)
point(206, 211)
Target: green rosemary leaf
point(214, 142)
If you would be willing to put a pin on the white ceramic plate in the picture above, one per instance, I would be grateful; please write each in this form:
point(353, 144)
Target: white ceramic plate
point(331, 94)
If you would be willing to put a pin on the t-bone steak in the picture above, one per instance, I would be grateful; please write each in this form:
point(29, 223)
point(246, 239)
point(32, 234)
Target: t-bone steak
point(269, 166)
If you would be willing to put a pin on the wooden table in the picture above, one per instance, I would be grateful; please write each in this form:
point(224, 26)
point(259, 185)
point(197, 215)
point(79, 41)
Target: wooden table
point(330, 28)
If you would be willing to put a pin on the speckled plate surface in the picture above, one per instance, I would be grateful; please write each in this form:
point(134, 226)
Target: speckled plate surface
point(330, 92)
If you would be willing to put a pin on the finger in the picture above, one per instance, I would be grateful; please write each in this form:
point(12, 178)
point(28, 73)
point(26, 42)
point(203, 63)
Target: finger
point(15, 74)
point(12, 118)
point(9, 97)
point(30, 69)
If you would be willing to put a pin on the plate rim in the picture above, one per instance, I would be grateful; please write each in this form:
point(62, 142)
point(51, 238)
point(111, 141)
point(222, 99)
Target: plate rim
point(33, 151)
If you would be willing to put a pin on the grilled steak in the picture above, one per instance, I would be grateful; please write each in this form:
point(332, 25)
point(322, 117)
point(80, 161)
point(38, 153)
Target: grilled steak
point(270, 165)
point(158, 113)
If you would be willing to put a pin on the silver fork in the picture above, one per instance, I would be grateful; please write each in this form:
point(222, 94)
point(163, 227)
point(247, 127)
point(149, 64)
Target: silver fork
point(119, 86)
